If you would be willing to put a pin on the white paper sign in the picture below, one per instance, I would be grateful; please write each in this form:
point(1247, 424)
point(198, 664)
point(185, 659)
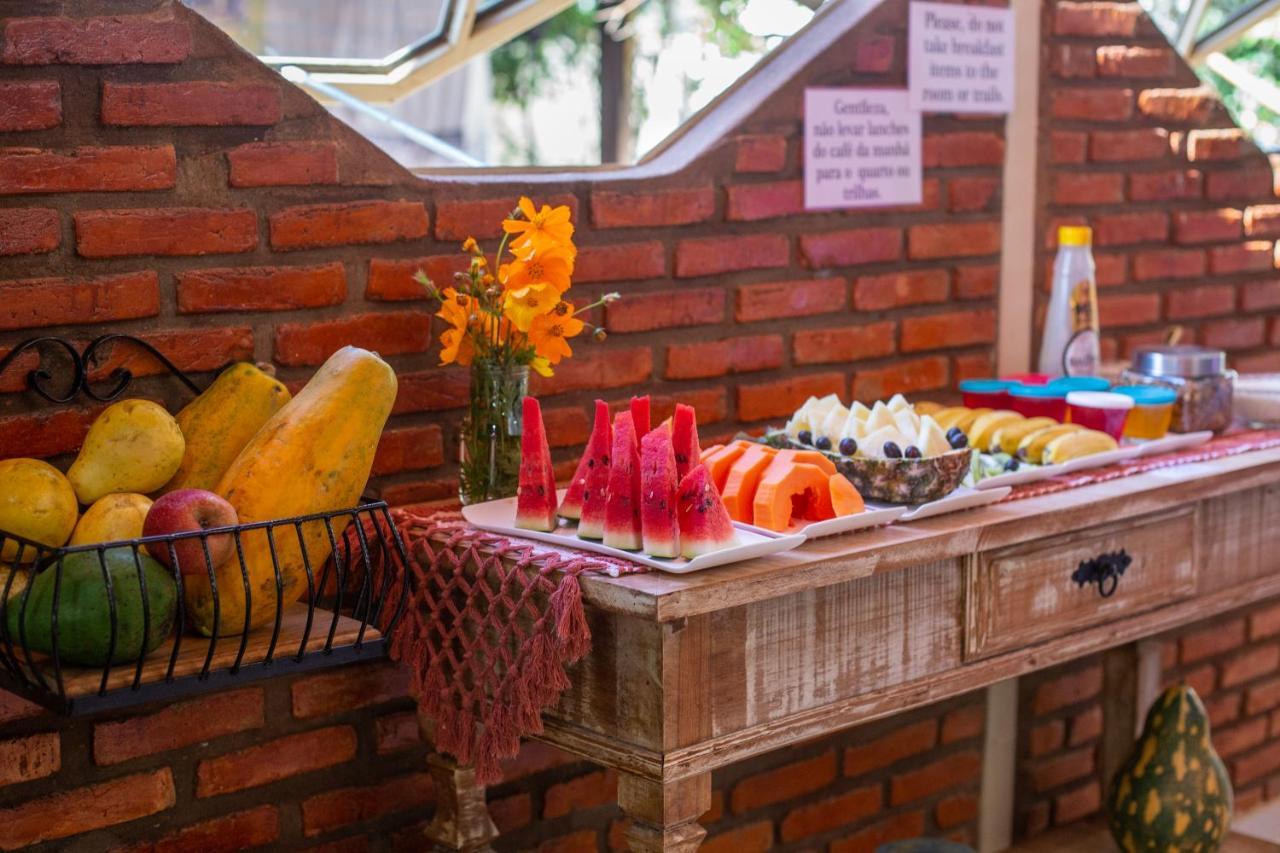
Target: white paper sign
point(862, 148)
point(960, 58)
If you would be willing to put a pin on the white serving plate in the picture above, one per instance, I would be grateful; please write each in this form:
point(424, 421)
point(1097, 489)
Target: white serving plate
point(1098, 460)
point(499, 517)
point(1024, 474)
point(870, 517)
point(1173, 441)
point(963, 497)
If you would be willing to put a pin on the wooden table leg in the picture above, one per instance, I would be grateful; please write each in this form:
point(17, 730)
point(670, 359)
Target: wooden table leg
point(664, 815)
point(462, 821)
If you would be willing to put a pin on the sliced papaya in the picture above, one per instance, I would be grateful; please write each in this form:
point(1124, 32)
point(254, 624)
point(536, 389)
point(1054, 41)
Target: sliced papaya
point(790, 489)
point(708, 452)
point(813, 457)
point(845, 499)
point(740, 486)
point(719, 463)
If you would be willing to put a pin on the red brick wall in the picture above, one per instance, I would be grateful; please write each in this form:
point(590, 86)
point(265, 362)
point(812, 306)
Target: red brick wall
point(1181, 201)
point(155, 180)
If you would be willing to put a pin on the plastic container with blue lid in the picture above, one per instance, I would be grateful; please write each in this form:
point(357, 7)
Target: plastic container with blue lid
point(1039, 401)
point(1152, 411)
point(986, 393)
point(1080, 383)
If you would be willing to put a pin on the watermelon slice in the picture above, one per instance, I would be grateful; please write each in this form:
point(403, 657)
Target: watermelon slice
point(596, 455)
point(595, 494)
point(640, 416)
point(536, 495)
point(704, 522)
point(622, 513)
point(658, 525)
point(684, 436)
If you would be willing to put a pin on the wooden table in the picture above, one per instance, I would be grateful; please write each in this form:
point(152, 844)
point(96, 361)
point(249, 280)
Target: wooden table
point(689, 673)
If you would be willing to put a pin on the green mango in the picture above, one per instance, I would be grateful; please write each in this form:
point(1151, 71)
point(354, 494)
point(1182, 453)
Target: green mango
point(84, 613)
point(1173, 793)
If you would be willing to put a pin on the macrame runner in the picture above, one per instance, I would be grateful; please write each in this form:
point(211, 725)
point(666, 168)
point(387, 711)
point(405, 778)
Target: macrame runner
point(491, 624)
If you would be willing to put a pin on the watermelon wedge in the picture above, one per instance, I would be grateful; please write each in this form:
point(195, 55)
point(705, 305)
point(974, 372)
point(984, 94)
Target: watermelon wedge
point(596, 455)
point(595, 494)
point(622, 513)
point(659, 528)
point(704, 522)
point(684, 437)
point(640, 416)
point(536, 495)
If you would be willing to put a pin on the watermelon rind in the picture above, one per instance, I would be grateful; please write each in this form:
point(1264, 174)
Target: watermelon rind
point(705, 525)
point(596, 453)
point(659, 527)
point(536, 493)
point(622, 513)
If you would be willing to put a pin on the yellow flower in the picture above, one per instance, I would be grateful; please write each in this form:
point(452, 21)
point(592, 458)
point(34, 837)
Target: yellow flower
point(540, 229)
point(542, 366)
point(456, 344)
point(551, 268)
point(549, 334)
point(522, 305)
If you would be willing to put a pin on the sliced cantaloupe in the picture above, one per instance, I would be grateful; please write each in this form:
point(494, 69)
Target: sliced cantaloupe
point(708, 452)
point(740, 487)
point(790, 489)
point(719, 463)
point(845, 499)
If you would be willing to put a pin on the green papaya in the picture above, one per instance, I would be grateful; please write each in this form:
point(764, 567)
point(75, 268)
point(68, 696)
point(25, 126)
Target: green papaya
point(84, 612)
point(1173, 792)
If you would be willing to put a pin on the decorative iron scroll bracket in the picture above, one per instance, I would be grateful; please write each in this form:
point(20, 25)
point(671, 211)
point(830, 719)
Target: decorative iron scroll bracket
point(1105, 570)
point(43, 379)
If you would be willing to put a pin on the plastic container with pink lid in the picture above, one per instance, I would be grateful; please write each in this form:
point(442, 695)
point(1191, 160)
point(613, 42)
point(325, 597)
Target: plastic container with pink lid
point(1104, 411)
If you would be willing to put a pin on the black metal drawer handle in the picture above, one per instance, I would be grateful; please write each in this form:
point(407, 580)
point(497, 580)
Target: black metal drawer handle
point(1104, 570)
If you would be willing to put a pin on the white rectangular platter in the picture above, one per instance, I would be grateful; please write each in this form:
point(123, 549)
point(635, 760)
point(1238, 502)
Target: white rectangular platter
point(499, 517)
point(962, 498)
point(1173, 441)
point(1032, 473)
point(870, 517)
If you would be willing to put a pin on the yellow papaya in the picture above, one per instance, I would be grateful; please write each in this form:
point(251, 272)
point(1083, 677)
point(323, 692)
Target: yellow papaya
point(221, 421)
point(133, 446)
point(36, 503)
point(313, 455)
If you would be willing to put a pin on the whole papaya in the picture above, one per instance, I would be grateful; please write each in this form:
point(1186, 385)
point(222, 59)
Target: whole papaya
point(84, 608)
point(36, 503)
point(133, 446)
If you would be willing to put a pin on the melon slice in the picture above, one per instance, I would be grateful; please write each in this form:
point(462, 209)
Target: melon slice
point(740, 486)
point(704, 523)
point(622, 512)
point(597, 453)
point(845, 499)
point(536, 494)
point(790, 489)
point(595, 495)
point(659, 528)
point(880, 418)
point(684, 438)
point(719, 463)
point(640, 416)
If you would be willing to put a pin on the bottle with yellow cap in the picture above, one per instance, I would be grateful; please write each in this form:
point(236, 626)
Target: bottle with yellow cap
point(1069, 346)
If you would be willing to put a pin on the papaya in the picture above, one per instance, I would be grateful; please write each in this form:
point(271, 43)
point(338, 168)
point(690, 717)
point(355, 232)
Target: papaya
point(133, 446)
point(790, 489)
point(84, 609)
point(221, 421)
point(313, 455)
point(36, 503)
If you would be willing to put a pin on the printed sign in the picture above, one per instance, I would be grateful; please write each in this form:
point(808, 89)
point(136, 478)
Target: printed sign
point(960, 58)
point(862, 148)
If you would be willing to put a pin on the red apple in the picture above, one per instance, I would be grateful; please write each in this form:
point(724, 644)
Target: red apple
point(188, 510)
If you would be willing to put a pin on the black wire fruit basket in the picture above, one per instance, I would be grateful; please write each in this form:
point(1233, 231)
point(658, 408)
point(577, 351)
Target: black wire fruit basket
point(86, 628)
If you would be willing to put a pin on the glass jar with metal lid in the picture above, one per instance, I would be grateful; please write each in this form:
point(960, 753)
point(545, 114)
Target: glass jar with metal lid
point(1200, 377)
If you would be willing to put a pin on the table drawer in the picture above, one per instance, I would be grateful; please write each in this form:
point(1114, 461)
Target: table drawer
point(1026, 594)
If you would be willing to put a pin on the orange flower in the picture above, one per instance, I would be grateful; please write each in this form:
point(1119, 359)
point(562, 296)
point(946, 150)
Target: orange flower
point(551, 268)
point(455, 342)
point(540, 230)
point(549, 333)
point(522, 305)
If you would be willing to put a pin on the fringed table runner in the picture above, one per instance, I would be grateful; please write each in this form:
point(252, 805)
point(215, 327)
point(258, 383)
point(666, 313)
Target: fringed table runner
point(1230, 444)
point(492, 621)
point(491, 624)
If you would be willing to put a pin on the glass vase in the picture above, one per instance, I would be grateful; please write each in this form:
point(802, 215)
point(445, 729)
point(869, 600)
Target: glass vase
point(490, 452)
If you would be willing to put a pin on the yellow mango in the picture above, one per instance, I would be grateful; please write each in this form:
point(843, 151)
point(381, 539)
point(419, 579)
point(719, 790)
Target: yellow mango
point(36, 503)
point(219, 423)
point(133, 446)
point(112, 518)
point(313, 455)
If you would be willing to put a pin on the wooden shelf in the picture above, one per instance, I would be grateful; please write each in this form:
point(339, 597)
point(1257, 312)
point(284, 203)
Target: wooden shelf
point(1093, 837)
point(84, 682)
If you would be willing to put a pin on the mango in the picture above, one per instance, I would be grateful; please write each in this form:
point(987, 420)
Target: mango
point(36, 503)
point(112, 518)
point(133, 446)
